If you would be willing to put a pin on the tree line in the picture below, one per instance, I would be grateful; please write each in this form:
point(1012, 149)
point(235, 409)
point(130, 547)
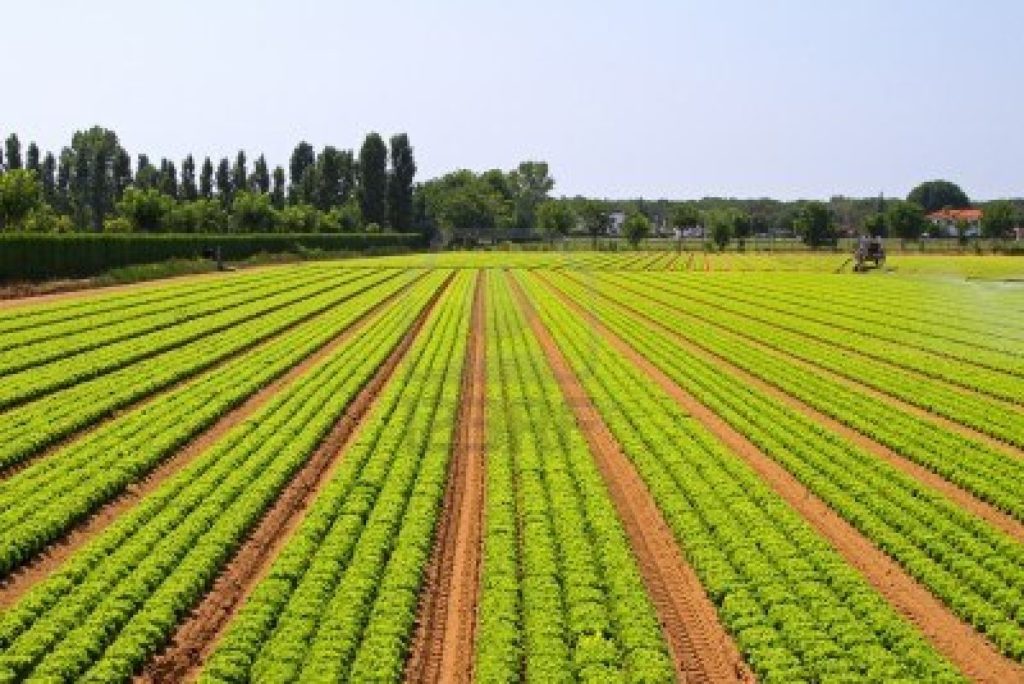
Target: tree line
point(93, 185)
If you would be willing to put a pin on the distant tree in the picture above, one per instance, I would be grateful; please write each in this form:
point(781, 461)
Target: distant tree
point(875, 225)
point(146, 209)
point(2, 167)
point(100, 191)
point(32, 157)
point(309, 185)
point(122, 173)
point(815, 224)
point(252, 213)
point(636, 227)
point(168, 183)
point(998, 220)
point(328, 190)
point(225, 190)
point(48, 178)
point(189, 190)
point(373, 179)
point(302, 158)
point(260, 181)
point(240, 173)
point(939, 194)
point(905, 220)
point(720, 223)
point(400, 182)
point(277, 194)
point(63, 198)
point(200, 216)
point(79, 190)
point(206, 179)
point(555, 219)
point(531, 182)
point(146, 175)
point(742, 225)
point(596, 219)
point(20, 195)
point(685, 216)
point(12, 147)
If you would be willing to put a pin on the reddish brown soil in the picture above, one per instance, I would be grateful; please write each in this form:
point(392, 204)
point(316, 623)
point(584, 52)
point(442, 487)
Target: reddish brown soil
point(701, 648)
point(197, 636)
point(959, 642)
point(443, 644)
point(14, 586)
point(954, 493)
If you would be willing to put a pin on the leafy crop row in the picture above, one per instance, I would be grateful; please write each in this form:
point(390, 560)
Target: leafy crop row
point(40, 503)
point(31, 427)
point(562, 597)
point(118, 599)
point(971, 409)
point(38, 346)
point(956, 372)
point(798, 612)
point(37, 381)
point(987, 473)
point(339, 602)
point(976, 570)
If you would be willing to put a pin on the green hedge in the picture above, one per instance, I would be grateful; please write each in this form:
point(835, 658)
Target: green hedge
point(28, 256)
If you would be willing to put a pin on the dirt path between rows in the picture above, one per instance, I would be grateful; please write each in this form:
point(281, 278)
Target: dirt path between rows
point(443, 644)
point(961, 497)
point(893, 401)
point(956, 640)
point(13, 587)
point(701, 648)
point(197, 636)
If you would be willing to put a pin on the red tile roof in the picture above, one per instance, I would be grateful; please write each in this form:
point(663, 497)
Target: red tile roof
point(956, 215)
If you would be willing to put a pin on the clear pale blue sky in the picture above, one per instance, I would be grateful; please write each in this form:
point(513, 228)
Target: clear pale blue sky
point(783, 98)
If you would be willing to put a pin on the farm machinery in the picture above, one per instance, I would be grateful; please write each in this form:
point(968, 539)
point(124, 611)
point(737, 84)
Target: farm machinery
point(869, 251)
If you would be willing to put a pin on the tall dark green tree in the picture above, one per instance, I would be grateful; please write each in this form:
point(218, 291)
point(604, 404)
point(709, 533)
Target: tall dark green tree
point(122, 172)
point(146, 175)
point(302, 158)
point(905, 220)
point(260, 181)
point(277, 194)
point(12, 146)
point(100, 196)
point(815, 223)
point(400, 182)
point(32, 157)
point(938, 194)
point(48, 179)
point(168, 183)
point(206, 179)
point(240, 173)
point(373, 180)
point(63, 202)
point(189, 191)
point(225, 191)
point(531, 183)
point(329, 179)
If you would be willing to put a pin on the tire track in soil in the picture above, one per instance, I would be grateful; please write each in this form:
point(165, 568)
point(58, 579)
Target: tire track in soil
point(968, 650)
point(196, 637)
point(894, 401)
point(961, 497)
point(15, 585)
point(443, 644)
point(701, 648)
point(142, 402)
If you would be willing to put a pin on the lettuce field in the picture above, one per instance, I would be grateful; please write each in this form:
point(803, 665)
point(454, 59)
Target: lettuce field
point(519, 467)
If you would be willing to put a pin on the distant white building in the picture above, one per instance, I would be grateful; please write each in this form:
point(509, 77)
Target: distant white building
point(616, 219)
point(944, 222)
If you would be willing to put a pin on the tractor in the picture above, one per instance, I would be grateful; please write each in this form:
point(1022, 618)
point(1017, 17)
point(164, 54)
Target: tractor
point(869, 250)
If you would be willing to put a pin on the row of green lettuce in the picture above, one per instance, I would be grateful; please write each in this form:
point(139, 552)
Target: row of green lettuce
point(977, 570)
point(116, 601)
point(562, 599)
point(340, 600)
point(796, 610)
